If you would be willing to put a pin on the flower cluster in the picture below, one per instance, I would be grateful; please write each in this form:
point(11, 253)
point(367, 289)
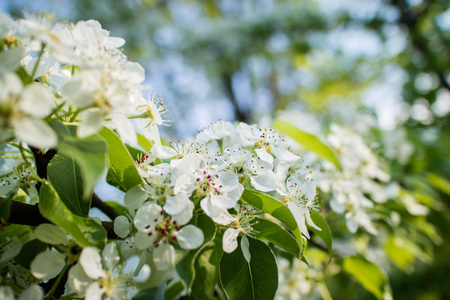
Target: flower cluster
point(209, 174)
point(73, 73)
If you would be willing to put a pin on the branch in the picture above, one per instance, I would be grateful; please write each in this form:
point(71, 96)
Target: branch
point(105, 208)
point(27, 214)
point(42, 161)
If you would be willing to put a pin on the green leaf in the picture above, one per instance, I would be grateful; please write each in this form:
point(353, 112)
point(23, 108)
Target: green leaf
point(173, 291)
point(265, 229)
point(274, 208)
point(65, 176)
point(257, 279)
point(439, 183)
point(402, 257)
point(122, 168)
point(206, 266)
point(5, 203)
point(144, 142)
point(85, 231)
point(185, 268)
point(89, 153)
point(29, 251)
point(309, 141)
point(367, 274)
point(325, 233)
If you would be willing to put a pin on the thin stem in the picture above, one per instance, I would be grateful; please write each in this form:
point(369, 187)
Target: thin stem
point(38, 61)
point(56, 284)
point(29, 165)
point(18, 147)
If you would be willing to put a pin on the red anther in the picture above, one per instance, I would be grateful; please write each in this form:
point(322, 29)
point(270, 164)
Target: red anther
point(174, 238)
point(198, 179)
point(207, 183)
point(209, 176)
point(204, 172)
point(147, 227)
point(220, 186)
point(174, 222)
point(150, 233)
point(165, 241)
point(217, 176)
point(156, 245)
point(177, 227)
point(215, 190)
point(161, 214)
point(156, 220)
point(167, 221)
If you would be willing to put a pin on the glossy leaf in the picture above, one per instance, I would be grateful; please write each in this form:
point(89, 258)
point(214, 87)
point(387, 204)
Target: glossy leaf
point(85, 231)
point(367, 274)
point(274, 208)
point(309, 141)
point(257, 279)
point(89, 153)
point(29, 251)
point(65, 176)
point(144, 142)
point(325, 233)
point(122, 168)
point(206, 266)
point(273, 233)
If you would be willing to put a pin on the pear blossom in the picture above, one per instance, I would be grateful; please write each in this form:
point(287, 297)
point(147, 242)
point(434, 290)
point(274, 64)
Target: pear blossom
point(156, 231)
point(299, 197)
point(24, 108)
point(221, 189)
point(243, 164)
point(99, 276)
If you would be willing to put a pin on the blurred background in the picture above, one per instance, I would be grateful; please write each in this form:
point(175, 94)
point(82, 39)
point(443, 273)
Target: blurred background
point(380, 67)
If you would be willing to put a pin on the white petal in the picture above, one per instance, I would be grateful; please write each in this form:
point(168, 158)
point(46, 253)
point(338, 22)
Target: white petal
point(91, 262)
point(10, 60)
point(94, 292)
point(190, 237)
point(135, 197)
point(147, 216)
point(91, 122)
point(163, 152)
point(6, 293)
point(185, 215)
point(210, 210)
point(262, 154)
point(34, 292)
point(245, 248)
point(229, 240)
point(50, 234)
point(127, 248)
point(310, 221)
point(299, 217)
point(78, 280)
point(265, 182)
point(141, 263)
point(12, 251)
point(284, 155)
point(47, 264)
point(110, 255)
point(223, 202)
point(125, 129)
point(35, 132)
point(36, 100)
point(164, 256)
point(143, 240)
point(122, 226)
point(175, 204)
point(224, 218)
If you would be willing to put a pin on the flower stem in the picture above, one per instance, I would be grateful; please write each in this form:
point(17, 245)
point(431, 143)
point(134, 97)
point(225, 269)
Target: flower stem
point(29, 165)
point(37, 62)
point(56, 284)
